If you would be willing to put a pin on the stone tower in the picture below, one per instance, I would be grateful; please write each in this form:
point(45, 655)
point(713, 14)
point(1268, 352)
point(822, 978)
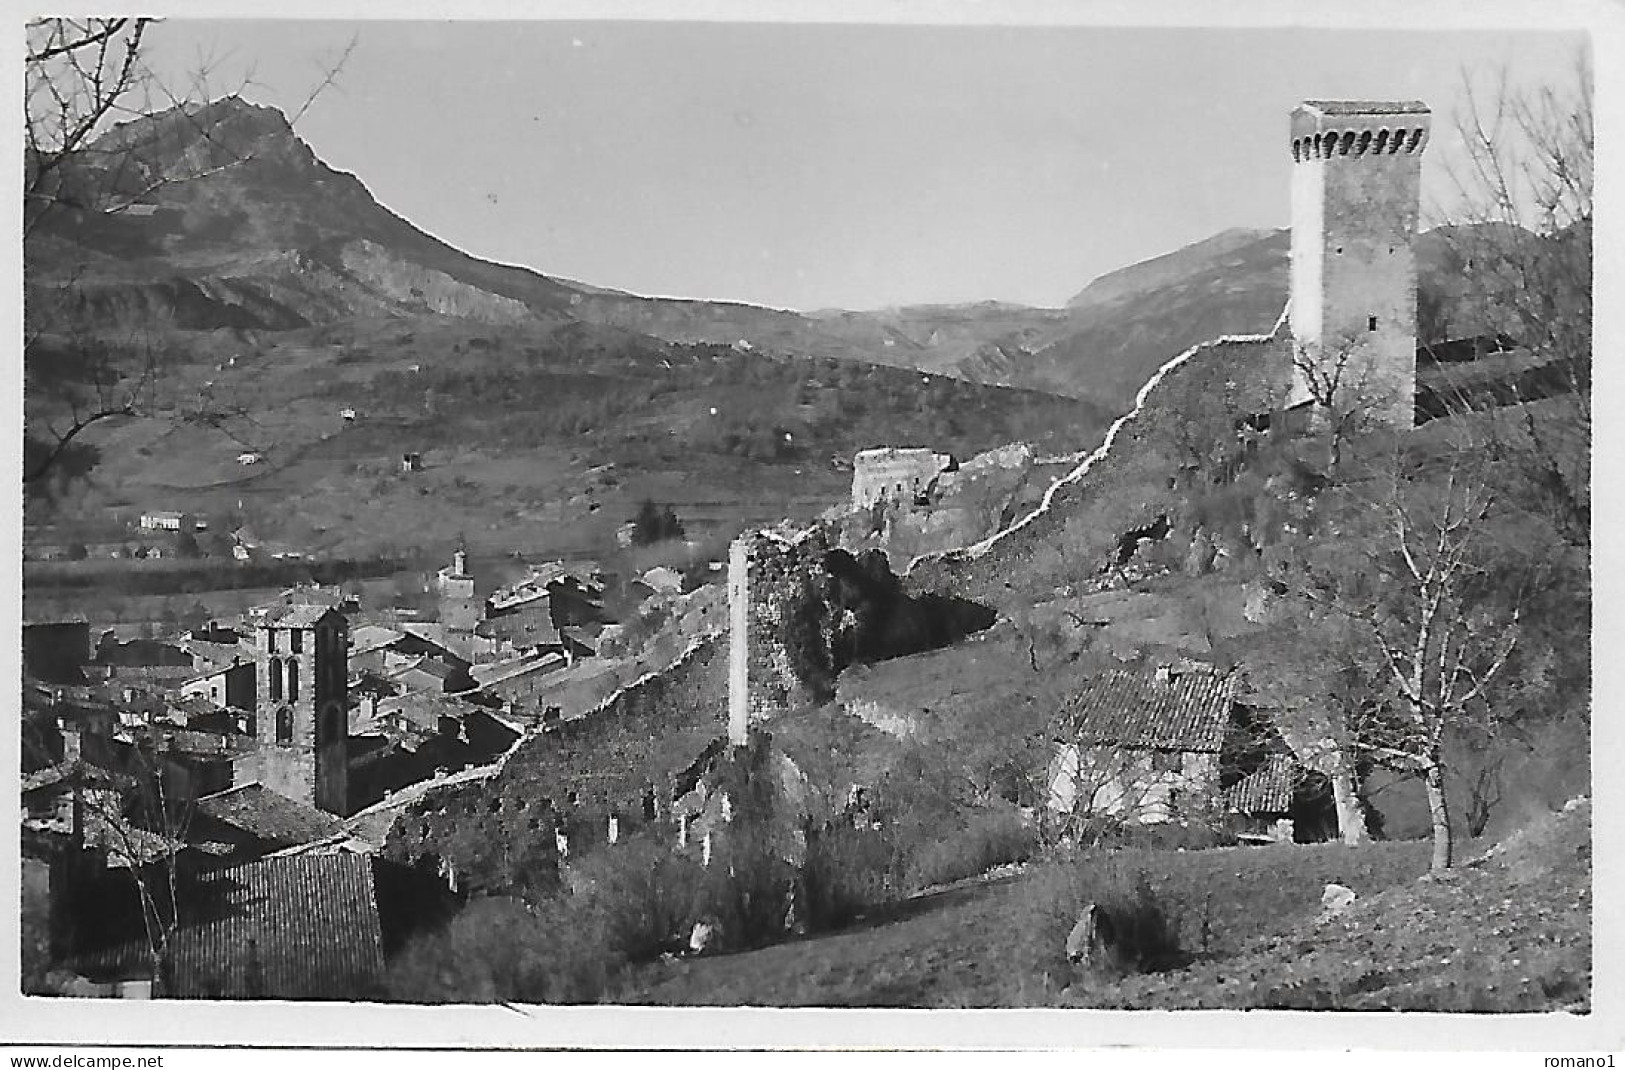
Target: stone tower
point(1356, 192)
point(460, 609)
point(301, 722)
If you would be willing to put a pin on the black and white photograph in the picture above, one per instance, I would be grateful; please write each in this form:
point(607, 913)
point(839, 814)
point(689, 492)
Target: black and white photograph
point(1022, 507)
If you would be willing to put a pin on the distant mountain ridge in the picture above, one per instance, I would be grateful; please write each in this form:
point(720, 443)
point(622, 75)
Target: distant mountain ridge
point(271, 238)
point(1170, 268)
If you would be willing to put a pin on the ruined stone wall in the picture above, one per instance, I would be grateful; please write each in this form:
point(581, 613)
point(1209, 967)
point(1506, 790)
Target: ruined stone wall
point(498, 830)
point(894, 474)
point(1134, 478)
point(787, 581)
point(966, 505)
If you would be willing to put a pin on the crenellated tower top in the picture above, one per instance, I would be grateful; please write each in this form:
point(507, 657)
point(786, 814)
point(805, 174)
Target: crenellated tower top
point(1329, 129)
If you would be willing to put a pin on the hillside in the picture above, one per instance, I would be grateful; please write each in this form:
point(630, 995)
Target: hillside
point(1509, 932)
point(535, 440)
point(280, 293)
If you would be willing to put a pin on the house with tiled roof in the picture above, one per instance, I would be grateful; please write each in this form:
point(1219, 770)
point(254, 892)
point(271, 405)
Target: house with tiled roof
point(295, 927)
point(522, 625)
point(229, 685)
point(440, 676)
point(254, 821)
point(368, 639)
point(1141, 745)
point(1260, 804)
point(1174, 743)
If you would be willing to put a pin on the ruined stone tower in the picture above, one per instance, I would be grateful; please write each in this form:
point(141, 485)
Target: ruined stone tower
point(301, 723)
point(739, 642)
point(1356, 189)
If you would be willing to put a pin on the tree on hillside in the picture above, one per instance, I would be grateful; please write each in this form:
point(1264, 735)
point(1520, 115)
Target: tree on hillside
point(1519, 230)
point(186, 546)
point(1427, 591)
point(654, 523)
point(1302, 678)
point(97, 126)
point(1344, 402)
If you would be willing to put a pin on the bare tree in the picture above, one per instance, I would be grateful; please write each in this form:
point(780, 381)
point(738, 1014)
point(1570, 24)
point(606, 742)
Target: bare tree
point(1301, 684)
point(99, 127)
point(133, 818)
point(1519, 236)
point(1433, 609)
point(149, 831)
point(1344, 402)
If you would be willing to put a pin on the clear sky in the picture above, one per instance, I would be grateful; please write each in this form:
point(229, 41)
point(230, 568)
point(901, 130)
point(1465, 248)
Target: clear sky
point(808, 166)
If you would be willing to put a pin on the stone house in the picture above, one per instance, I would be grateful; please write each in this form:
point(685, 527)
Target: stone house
point(164, 520)
point(1170, 744)
point(1141, 745)
point(230, 685)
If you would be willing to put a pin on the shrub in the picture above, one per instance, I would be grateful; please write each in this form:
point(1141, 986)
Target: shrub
point(747, 893)
point(849, 872)
point(654, 524)
point(639, 897)
point(498, 949)
point(1162, 836)
point(629, 904)
point(1146, 937)
point(990, 838)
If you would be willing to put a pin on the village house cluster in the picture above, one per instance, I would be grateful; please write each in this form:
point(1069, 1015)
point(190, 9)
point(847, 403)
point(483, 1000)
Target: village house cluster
point(233, 747)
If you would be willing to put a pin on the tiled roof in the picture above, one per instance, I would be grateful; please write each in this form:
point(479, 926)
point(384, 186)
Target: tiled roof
point(273, 819)
point(190, 706)
point(1188, 712)
point(500, 671)
point(188, 741)
point(1267, 790)
point(372, 637)
point(419, 707)
point(435, 667)
point(72, 771)
point(429, 631)
point(294, 616)
point(222, 652)
point(527, 624)
point(125, 843)
point(220, 656)
point(292, 927)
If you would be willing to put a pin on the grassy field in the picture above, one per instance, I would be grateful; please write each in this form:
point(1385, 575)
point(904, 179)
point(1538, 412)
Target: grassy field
point(997, 943)
point(1510, 933)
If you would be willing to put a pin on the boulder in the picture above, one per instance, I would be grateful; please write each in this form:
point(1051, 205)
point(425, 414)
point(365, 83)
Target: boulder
point(1335, 899)
point(701, 937)
point(1093, 948)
